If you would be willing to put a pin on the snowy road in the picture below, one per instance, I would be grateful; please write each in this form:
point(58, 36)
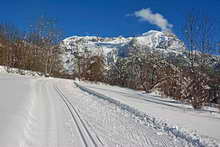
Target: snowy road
point(40, 112)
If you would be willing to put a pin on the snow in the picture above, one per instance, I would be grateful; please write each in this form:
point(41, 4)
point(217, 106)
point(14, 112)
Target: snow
point(94, 43)
point(200, 127)
point(32, 114)
point(152, 38)
point(4, 69)
point(38, 111)
point(112, 48)
point(115, 126)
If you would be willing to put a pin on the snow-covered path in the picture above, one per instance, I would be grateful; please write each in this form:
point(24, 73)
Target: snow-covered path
point(113, 126)
point(40, 112)
point(32, 114)
point(202, 124)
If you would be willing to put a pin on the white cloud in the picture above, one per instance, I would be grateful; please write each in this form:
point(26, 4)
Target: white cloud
point(153, 18)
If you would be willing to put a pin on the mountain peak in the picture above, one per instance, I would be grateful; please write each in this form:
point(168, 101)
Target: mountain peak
point(119, 46)
point(151, 32)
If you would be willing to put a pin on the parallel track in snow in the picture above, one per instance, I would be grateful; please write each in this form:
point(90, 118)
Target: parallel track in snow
point(85, 134)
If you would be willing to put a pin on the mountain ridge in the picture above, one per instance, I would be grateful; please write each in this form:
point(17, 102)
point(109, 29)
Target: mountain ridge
point(113, 47)
point(166, 43)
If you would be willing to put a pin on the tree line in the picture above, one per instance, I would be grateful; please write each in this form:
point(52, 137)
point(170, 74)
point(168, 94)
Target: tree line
point(189, 80)
point(37, 49)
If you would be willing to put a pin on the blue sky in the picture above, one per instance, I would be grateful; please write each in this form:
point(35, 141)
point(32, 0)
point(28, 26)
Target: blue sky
point(105, 17)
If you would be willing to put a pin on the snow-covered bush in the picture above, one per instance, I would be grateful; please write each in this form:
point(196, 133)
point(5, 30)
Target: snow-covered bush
point(93, 69)
point(187, 85)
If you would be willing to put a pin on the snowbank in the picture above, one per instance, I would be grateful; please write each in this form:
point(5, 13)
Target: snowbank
point(161, 125)
point(4, 69)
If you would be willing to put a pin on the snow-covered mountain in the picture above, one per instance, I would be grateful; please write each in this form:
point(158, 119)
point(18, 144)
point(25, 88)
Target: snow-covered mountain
point(111, 48)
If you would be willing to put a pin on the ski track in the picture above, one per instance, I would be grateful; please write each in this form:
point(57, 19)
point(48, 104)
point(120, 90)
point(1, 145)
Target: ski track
point(51, 112)
point(114, 126)
point(84, 132)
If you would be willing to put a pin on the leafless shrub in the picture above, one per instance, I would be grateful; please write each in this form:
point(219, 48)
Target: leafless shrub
point(37, 49)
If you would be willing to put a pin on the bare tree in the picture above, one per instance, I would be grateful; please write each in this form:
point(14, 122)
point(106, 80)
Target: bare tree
point(45, 37)
point(199, 30)
point(10, 36)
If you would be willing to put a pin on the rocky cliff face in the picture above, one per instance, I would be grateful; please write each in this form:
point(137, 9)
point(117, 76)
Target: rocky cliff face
point(164, 42)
